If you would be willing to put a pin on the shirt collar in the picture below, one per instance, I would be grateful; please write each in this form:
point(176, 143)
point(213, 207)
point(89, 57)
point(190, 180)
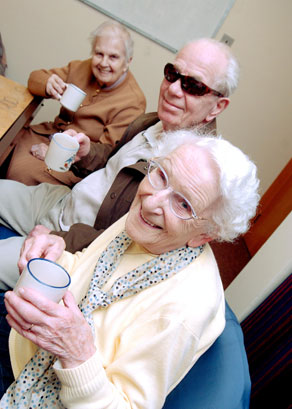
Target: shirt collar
point(153, 133)
point(115, 84)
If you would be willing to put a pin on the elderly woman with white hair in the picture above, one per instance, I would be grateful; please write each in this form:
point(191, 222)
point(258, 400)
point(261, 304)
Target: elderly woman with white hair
point(146, 299)
point(114, 99)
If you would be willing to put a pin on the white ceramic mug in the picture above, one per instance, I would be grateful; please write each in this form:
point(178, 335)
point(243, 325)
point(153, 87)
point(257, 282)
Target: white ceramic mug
point(72, 97)
point(61, 152)
point(45, 276)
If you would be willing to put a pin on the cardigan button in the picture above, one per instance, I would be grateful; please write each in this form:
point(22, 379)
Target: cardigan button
point(113, 195)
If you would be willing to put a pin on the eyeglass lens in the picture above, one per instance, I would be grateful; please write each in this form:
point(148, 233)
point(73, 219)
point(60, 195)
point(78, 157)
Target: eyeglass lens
point(188, 84)
point(178, 203)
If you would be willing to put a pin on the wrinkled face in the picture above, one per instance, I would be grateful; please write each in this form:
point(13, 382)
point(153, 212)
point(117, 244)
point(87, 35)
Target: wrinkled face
point(108, 59)
point(153, 225)
point(176, 108)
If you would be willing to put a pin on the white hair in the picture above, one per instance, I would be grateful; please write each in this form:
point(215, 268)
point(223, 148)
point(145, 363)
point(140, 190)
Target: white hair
point(119, 30)
point(238, 182)
point(227, 83)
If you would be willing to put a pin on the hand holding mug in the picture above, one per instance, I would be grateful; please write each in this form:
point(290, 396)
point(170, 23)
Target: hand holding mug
point(40, 244)
point(61, 153)
point(60, 329)
point(55, 86)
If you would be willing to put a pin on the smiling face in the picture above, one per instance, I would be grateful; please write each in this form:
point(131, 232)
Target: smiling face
point(151, 222)
point(108, 59)
point(176, 109)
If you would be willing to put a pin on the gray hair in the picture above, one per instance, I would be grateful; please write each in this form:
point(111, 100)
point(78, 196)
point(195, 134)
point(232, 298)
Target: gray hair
point(227, 83)
point(119, 30)
point(238, 186)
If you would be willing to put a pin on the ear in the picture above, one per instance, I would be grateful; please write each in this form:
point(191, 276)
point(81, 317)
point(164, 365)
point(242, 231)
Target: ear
point(127, 64)
point(222, 104)
point(200, 240)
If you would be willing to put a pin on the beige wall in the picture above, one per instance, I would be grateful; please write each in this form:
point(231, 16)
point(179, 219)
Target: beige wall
point(259, 118)
point(41, 33)
point(44, 34)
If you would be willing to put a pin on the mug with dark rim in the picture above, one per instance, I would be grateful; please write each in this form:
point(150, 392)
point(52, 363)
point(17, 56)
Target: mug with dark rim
point(188, 84)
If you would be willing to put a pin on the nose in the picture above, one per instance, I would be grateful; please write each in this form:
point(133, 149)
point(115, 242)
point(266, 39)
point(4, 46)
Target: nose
point(158, 200)
point(104, 61)
point(174, 88)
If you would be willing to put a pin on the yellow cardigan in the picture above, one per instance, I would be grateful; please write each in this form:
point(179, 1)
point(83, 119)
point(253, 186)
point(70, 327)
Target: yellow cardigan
point(145, 343)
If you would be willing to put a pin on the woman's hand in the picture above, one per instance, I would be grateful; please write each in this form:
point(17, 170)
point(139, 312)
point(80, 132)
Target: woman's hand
point(59, 329)
point(39, 243)
point(39, 150)
point(55, 86)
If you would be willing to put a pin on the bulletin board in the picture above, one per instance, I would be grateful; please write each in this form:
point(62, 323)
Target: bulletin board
point(170, 23)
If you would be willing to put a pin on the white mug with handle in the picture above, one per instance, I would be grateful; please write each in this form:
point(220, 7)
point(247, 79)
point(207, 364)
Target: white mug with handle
point(72, 97)
point(61, 152)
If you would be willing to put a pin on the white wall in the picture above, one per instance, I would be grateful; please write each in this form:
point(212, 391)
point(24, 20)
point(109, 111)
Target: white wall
point(265, 272)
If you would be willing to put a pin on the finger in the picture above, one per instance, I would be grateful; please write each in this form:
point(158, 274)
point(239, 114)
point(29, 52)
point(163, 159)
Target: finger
point(82, 138)
point(27, 333)
point(46, 245)
point(31, 306)
point(59, 85)
point(18, 320)
point(70, 302)
point(71, 132)
point(23, 260)
point(30, 249)
point(38, 230)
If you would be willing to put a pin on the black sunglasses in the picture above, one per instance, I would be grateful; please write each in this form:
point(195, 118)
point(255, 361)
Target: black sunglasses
point(188, 84)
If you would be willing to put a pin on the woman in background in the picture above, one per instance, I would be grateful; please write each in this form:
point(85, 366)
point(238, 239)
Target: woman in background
point(113, 101)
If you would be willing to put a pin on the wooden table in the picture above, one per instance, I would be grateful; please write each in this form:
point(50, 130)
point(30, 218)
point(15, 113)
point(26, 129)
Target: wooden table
point(17, 108)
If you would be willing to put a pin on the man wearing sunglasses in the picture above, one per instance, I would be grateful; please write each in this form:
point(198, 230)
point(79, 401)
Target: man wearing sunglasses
point(195, 89)
point(197, 86)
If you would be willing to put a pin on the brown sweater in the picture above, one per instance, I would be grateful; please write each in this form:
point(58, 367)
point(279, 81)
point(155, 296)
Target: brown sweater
point(103, 116)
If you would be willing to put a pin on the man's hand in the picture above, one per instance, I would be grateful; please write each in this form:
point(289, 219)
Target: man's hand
point(55, 86)
point(39, 150)
point(39, 244)
point(84, 143)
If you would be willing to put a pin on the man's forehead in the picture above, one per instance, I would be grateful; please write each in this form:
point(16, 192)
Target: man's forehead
point(199, 58)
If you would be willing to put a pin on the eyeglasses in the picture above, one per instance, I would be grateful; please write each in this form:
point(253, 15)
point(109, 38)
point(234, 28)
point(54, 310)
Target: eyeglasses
point(179, 205)
point(188, 84)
